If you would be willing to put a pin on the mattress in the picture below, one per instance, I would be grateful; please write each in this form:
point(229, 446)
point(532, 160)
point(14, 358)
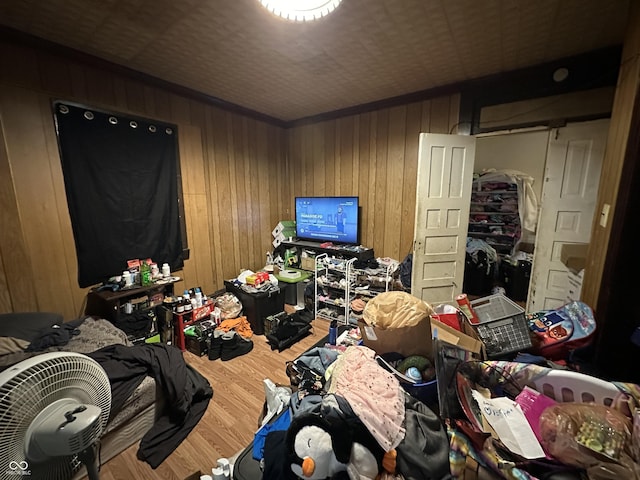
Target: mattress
point(138, 413)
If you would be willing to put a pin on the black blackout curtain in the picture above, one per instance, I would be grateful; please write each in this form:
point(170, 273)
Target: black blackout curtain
point(121, 180)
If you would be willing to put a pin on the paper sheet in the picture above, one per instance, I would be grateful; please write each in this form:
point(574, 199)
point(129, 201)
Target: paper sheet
point(507, 419)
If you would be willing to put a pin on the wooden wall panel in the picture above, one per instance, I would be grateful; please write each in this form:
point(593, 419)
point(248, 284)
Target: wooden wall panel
point(15, 289)
point(240, 174)
point(378, 183)
point(374, 156)
point(215, 134)
point(396, 158)
point(26, 117)
point(408, 212)
point(226, 161)
point(198, 268)
point(618, 141)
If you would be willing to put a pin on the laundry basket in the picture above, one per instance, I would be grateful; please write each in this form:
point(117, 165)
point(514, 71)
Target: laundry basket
point(503, 327)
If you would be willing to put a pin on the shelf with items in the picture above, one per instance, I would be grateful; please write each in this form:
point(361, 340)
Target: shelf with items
point(183, 320)
point(368, 283)
point(346, 251)
point(333, 282)
point(493, 214)
point(131, 309)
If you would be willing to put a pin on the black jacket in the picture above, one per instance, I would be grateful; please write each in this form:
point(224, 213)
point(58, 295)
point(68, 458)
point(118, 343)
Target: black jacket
point(186, 392)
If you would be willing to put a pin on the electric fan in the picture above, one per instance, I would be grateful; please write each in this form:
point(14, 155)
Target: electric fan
point(53, 409)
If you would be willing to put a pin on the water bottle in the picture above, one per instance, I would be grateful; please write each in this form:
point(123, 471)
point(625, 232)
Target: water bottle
point(333, 332)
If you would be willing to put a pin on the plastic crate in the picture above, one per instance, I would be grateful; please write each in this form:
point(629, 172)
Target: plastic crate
point(503, 327)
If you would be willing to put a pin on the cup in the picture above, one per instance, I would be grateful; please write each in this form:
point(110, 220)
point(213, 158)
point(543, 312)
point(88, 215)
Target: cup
point(128, 278)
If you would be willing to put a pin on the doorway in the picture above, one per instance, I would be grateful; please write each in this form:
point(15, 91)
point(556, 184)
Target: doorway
point(565, 164)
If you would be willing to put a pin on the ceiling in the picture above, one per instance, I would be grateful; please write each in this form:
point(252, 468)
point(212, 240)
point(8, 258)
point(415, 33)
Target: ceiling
point(365, 51)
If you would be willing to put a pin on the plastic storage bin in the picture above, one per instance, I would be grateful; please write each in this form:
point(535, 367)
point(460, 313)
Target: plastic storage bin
point(503, 327)
point(257, 306)
point(426, 392)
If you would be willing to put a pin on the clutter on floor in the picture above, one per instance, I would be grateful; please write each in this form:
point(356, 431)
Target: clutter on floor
point(499, 397)
point(475, 389)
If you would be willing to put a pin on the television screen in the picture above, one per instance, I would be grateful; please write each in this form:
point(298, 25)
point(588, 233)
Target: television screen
point(327, 219)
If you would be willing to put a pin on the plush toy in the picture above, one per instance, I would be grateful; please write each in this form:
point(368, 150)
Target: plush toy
point(328, 441)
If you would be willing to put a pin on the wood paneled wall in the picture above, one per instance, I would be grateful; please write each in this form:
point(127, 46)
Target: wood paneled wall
point(233, 174)
point(598, 268)
point(240, 175)
point(374, 156)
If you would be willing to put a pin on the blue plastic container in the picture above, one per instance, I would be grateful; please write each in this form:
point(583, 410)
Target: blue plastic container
point(426, 392)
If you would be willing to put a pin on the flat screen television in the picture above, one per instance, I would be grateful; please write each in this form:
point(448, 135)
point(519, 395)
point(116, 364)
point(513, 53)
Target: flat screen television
point(327, 219)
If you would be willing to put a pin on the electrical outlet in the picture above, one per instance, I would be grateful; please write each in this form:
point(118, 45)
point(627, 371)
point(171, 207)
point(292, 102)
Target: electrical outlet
point(604, 215)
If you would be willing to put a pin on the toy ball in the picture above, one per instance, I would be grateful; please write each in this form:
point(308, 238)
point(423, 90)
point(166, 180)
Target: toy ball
point(413, 373)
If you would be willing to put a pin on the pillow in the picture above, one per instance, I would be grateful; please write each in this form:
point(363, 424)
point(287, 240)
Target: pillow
point(27, 325)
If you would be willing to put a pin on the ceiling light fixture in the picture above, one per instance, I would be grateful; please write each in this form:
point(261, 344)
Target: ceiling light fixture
point(301, 10)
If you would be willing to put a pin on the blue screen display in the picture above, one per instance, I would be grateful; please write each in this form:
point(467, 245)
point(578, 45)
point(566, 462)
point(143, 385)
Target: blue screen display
point(327, 219)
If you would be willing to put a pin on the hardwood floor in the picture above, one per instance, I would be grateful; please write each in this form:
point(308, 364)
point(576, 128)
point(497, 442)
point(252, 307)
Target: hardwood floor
point(232, 417)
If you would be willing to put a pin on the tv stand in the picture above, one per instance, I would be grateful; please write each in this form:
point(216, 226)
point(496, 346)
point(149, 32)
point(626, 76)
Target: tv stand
point(345, 251)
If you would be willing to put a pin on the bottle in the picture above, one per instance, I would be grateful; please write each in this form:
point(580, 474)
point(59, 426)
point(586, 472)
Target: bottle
point(166, 270)
point(188, 311)
point(145, 274)
point(333, 332)
point(180, 305)
point(466, 308)
point(128, 279)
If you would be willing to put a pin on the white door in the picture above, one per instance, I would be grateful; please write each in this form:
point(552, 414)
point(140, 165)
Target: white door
point(445, 173)
point(572, 176)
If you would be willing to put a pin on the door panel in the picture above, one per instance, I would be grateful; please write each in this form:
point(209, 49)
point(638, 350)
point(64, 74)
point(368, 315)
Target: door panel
point(572, 176)
point(445, 172)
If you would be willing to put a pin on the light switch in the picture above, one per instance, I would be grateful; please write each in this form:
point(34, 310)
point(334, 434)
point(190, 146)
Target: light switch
point(604, 215)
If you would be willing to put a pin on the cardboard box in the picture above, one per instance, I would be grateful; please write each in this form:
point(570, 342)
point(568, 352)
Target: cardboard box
point(467, 339)
point(574, 256)
point(308, 260)
point(417, 340)
point(284, 225)
point(285, 234)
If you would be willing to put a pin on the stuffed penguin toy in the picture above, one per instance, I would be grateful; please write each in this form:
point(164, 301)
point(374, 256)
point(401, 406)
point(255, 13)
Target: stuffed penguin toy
point(330, 442)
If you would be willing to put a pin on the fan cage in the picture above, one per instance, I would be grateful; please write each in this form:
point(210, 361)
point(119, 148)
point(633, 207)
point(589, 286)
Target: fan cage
point(29, 386)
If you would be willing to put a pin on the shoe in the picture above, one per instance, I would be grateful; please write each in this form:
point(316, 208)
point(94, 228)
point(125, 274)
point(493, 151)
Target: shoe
point(234, 345)
point(215, 344)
